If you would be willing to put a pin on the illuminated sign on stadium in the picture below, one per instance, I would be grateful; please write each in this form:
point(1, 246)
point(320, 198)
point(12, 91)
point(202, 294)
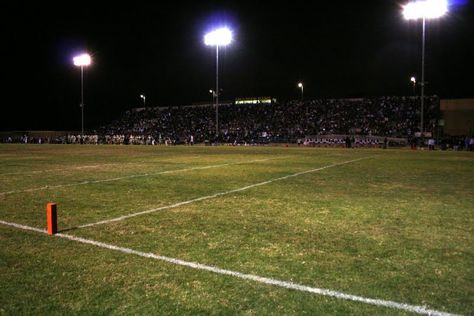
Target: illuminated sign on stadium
point(258, 100)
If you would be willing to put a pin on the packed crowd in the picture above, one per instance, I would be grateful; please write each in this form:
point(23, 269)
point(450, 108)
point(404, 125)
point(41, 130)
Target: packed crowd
point(367, 122)
point(279, 122)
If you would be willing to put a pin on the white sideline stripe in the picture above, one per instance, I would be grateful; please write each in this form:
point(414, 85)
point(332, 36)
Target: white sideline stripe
point(61, 169)
point(216, 195)
point(269, 281)
point(133, 176)
point(90, 166)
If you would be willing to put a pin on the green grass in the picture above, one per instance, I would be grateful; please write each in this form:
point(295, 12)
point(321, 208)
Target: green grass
point(397, 226)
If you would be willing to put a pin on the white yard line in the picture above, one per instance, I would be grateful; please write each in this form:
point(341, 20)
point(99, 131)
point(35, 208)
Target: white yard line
point(217, 194)
point(59, 169)
point(91, 166)
point(251, 277)
point(47, 187)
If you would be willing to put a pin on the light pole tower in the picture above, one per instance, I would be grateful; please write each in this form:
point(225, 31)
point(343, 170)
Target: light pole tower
point(424, 9)
point(213, 95)
point(144, 100)
point(219, 37)
point(413, 80)
point(300, 85)
point(81, 61)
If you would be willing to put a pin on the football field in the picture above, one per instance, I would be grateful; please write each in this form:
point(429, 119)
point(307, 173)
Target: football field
point(236, 230)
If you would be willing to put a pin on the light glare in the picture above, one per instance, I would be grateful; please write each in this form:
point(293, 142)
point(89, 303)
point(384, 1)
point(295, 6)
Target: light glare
point(412, 79)
point(428, 9)
point(82, 60)
point(219, 37)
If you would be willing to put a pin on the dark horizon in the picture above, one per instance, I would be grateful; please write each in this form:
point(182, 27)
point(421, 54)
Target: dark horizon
point(337, 49)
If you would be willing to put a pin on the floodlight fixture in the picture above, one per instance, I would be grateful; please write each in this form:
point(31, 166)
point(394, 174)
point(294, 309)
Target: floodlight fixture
point(144, 99)
point(425, 9)
point(218, 37)
point(413, 79)
point(81, 61)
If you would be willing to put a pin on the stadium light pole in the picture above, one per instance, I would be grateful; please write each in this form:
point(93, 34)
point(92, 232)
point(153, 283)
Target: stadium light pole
point(81, 61)
point(413, 80)
point(300, 85)
point(213, 95)
point(424, 9)
point(218, 37)
point(144, 99)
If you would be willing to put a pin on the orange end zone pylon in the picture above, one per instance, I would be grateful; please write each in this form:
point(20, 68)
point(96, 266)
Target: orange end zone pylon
point(52, 218)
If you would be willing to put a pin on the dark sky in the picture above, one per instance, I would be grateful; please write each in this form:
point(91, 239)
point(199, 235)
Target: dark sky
point(337, 48)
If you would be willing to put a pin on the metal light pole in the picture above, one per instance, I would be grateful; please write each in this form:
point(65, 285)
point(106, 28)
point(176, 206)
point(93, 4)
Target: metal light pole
point(82, 101)
point(213, 95)
point(219, 37)
point(422, 83)
point(300, 85)
point(217, 90)
point(81, 61)
point(144, 99)
point(424, 9)
point(413, 80)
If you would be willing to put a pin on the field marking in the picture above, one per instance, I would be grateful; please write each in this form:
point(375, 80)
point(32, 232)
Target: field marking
point(91, 166)
point(265, 280)
point(66, 169)
point(46, 187)
point(207, 197)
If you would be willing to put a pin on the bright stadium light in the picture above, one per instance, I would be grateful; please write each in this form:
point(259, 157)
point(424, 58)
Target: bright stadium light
point(218, 37)
point(427, 9)
point(144, 99)
point(81, 61)
point(424, 9)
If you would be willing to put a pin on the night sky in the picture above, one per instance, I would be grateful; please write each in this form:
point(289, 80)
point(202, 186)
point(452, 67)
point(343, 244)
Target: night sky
point(337, 48)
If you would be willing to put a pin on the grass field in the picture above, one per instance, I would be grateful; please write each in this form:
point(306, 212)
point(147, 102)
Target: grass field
point(387, 225)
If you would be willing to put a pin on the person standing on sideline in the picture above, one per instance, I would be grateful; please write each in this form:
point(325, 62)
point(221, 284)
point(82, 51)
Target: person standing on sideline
point(348, 142)
point(431, 144)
